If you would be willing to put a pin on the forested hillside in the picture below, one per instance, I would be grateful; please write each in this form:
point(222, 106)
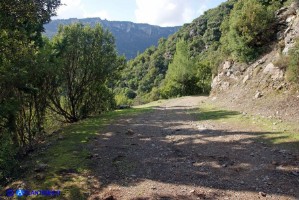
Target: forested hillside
point(44, 82)
point(185, 62)
point(78, 73)
point(130, 38)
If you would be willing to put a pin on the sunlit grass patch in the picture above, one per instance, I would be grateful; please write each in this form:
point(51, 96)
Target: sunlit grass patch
point(151, 104)
point(67, 157)
point(270, 131)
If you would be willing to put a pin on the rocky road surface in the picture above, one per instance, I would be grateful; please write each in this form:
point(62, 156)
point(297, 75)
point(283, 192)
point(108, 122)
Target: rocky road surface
point(169, 154)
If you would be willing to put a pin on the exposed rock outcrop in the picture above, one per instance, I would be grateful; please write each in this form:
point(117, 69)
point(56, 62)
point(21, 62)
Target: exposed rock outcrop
point(261, 86)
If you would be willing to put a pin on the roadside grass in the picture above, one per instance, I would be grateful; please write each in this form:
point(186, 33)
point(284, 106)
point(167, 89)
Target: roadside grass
point(270, 131)
point(67, 158)
point(152, 104)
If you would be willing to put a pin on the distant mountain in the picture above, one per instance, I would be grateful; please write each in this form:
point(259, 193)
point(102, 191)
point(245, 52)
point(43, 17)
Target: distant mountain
point(130, 37)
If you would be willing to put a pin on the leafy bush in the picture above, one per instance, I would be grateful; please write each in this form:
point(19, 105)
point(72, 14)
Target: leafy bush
point(247, 29)
point(86, 62)
point(293, 67)
point(8, 161)
point(181, 75)
point(204, 75)
point(155, 94)
point(121, 99)
point(23, 83)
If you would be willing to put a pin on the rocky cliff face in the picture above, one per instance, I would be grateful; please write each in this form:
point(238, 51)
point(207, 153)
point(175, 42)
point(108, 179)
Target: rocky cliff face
point(130, 37)
point(260, 87)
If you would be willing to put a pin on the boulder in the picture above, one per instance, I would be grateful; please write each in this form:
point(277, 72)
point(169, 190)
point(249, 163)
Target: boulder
point(290, 34)
point(290, 18)
point(224, 85)
point(215, 82)
point(275, 72)
point(246, 78)
point(259, 62)
point(281, 10)
point(227, 65)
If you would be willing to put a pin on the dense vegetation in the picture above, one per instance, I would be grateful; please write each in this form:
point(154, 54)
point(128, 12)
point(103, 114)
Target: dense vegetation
point(290, 63)
point(68, 78)
point(238, 30)
point(78, 73)
point(130, 38)
point(22, 102)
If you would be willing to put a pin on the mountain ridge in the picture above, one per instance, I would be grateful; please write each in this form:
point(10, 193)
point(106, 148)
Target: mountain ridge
point(131, 38)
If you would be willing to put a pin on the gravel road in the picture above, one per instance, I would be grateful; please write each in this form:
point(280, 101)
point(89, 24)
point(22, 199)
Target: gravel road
point(169, 154)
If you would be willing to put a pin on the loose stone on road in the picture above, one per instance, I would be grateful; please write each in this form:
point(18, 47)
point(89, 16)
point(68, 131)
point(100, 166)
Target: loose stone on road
point(168, 154)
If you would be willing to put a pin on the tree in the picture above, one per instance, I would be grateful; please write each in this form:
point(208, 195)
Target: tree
point(293, 64)
point(204, 75)
point(22, 101)
point(247, 29)
point(181, 75)
point(87, 60)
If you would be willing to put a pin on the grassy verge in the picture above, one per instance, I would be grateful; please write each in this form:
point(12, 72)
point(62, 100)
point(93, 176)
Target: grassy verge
point(270, 131)
point(64, 158)
point(152, 104)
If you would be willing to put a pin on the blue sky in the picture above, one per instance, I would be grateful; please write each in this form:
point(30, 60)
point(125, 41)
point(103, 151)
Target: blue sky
point(155, 12)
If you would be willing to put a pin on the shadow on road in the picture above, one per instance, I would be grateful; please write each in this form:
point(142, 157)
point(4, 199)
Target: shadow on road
point(165, 147)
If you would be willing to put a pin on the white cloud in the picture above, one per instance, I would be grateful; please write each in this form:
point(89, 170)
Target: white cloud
point(77, 9)
point(70, 8)
point(166, 12)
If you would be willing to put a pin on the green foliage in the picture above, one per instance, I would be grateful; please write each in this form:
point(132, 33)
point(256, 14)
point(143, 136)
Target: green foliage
point(204, 76)
point(293, 66)
point(272, 2)
point(72, 146)
point(181, 75)
point(282, 62)
point(121, 99)
point(185, 75)
point(86, 62)
point(71, 75)
point(22, 82)
point(124, 96)
point(8, 161)
point(237, 29)
point(290, 63)
point(247, 29)
point(146, 73)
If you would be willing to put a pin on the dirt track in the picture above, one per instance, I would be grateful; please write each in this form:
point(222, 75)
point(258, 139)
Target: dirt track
point(168, 154)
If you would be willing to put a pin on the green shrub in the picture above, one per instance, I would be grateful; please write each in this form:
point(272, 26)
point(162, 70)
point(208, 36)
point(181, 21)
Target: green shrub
point(155, 94)
point(292, 73)
point(8, 161)
point(282, 62)
point(121, 99)
point(247, 29)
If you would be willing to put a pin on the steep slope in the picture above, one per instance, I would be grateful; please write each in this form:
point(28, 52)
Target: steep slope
point(144, 75)
point(131, 38)
point(262, 87)
point(236, 31)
